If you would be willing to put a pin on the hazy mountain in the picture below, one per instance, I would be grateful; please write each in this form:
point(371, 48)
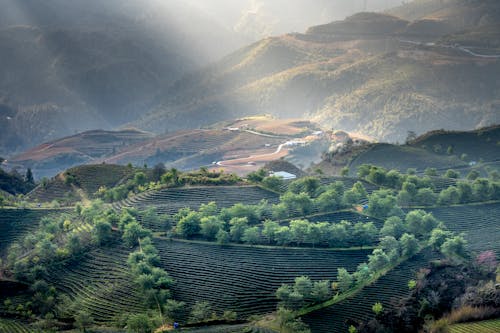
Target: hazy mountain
point(375, 73)
point(76, 65)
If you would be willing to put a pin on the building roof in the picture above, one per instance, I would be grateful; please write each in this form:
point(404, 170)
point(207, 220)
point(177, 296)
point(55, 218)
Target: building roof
point(284, 175)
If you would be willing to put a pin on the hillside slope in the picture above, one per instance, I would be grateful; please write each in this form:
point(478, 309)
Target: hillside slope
point(373, 73)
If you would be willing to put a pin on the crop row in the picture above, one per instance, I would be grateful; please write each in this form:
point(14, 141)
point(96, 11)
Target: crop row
point(386, 290)
point(172, 199)
point(480, 223)
point(14, 326)
point(15, 223)
point(229, 329)
point(244, 279)
point(101, 282)
point(486, 326)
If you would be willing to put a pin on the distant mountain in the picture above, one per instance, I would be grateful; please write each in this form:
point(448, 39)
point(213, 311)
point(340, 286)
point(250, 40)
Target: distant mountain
point(376, 73)
point(69, 66)
point(52, 157)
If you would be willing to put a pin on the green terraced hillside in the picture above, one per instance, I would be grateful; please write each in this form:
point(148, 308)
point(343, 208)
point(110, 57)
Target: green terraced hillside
point(243, 278)
point(487, 326)
point(480, 223)
point(101, 282)
point(15, 223)
point(170, 200)
point(386, 290)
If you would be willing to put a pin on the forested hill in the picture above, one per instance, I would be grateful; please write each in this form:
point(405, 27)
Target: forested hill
point(375, 73)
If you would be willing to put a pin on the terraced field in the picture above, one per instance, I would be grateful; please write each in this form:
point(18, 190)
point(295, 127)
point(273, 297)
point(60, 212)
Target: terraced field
point(486, 326)
point(229, 329)
point(14, 326)
point(350, 216)
point(480, 223)
point(387, 290)
point(404, 157)
point(15, 223)
point(244, 279)
point(101, 282)
point(170, 200)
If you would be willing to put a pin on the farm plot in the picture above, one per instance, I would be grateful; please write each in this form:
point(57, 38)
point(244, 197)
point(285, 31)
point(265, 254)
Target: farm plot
point(170, 200)
point(386, 290)
point(101, 282)
point(404, 157)
point(229, 329)
point(480, 223)
point(15, 223)
point(486, 326)
point(244, 279)
point(337, 217)
point(14, 326)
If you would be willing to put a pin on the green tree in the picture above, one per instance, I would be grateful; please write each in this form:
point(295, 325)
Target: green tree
point(344, 172)
point(377, 308)
point(300, 203)
point(222, 237)
point(431, 172)
point(139, 323)
point(251, 235)
point(329, 200)
point(390, 245)
point(273, 183)
point(438, 237)
point(454, 247)
point(364, 233)
point(210, 226)
point(269, 230)
point(377, 260)
point(465, 191)
point(209, 209)
point(237, 228)
point(299, 230)
point(174, 309)
point(344, 280)
point(83, 320)
point(309, 185)
point(473, 175)
point(102, 234)
point(409, 245)
point(140, 178)
point(133, 232)
point(394, 227)
point(201, 311)
point(321, 291)
point(382, 204)
point(303, 285)
point(283, 236)
point(189, 225)
point(449, 196)
point(426, 197)
point(452, 174)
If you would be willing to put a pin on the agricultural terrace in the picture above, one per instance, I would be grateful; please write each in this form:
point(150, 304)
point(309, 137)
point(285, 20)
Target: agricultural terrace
point(356, 310)
point(486, 326)
point(170, 200)
point(86, 178)
point(14, 326)
point(242, 278)
point(479, 222)
point(16, 223)
point(243, 328)
point(404, 157)
point(100, 282)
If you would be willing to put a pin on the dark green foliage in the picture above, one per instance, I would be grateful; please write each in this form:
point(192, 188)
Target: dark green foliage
point(201, 311)
point(273, 183)
point(14, 183)
point(189, 225)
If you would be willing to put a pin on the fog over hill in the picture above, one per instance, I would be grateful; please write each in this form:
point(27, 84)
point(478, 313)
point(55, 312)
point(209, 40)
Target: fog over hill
point(70, 66)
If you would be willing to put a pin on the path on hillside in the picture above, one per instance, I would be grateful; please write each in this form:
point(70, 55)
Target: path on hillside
point(251, 158)
point(456, 47)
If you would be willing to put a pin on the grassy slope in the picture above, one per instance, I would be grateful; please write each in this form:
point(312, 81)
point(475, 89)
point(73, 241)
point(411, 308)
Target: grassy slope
point(88, 179)
point(387, 290)
point(487, 326)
